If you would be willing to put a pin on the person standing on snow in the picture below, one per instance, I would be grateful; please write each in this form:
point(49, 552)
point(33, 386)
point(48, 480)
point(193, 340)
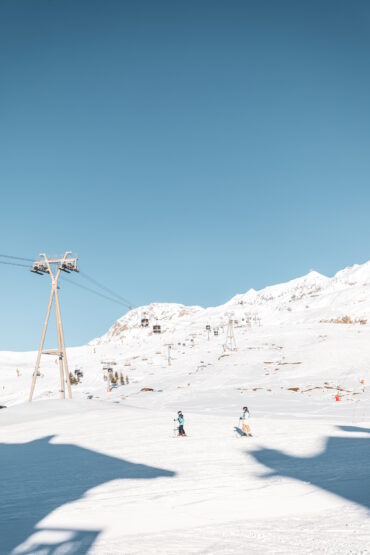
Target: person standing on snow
point(180, 419)
point(244, 421)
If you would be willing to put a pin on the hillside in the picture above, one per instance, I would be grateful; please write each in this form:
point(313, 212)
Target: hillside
point(104, 473)
point(297, 342)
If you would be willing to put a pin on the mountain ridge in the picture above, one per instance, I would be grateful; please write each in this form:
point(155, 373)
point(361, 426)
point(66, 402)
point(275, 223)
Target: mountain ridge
point(312, 296)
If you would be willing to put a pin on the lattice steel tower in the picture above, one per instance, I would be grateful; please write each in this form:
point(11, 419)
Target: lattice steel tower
point(230, 343)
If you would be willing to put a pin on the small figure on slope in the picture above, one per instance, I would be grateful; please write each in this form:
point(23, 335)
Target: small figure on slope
point(180, 419)
point(244, 421)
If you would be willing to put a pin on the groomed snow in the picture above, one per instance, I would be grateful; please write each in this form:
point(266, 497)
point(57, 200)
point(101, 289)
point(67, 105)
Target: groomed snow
point(104, 474)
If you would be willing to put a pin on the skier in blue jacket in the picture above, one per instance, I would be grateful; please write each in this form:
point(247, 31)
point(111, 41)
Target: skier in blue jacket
point(180, 419)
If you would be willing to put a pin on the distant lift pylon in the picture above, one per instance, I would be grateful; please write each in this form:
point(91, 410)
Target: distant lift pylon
point(53, 267)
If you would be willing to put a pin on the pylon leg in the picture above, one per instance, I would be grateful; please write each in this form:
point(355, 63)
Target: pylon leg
point(41, 345)
point(60, 355)
point(63, 348)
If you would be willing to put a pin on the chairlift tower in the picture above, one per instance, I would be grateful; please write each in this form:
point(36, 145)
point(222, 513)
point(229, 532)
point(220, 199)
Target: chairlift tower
point(53, 267)
point(230, 342)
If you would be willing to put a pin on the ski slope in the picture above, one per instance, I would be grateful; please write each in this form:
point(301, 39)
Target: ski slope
point(104, 474)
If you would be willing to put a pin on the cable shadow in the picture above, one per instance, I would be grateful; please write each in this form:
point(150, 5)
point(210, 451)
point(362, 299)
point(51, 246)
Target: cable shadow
point(342, 468)
point(39, 476)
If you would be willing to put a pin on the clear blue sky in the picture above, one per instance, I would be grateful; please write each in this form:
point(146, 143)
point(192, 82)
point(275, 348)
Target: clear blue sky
point(186, 151)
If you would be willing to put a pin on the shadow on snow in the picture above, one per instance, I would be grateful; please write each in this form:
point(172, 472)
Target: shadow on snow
point(38, 477)
point(342, 468)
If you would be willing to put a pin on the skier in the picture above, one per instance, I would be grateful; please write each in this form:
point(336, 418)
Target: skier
point(180, 419)
point(244, 421)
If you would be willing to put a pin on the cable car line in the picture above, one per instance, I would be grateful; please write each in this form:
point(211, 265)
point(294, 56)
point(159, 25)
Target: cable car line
point(16, 257)
point(13, 264)
point(95, 292)
point(115, 297)
point(126, 301)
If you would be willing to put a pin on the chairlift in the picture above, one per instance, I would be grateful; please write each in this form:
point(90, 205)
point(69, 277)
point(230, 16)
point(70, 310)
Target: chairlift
point(144, 322)
point(208, 327)
point(215, 331)
point(39, 268)
point(156, 328)
point(65, 268)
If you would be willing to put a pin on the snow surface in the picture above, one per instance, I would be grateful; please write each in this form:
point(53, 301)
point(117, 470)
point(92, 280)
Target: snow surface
point(104, 474)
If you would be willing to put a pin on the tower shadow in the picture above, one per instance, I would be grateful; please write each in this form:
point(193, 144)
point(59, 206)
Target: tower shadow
point(342, 468)
point(38, 477)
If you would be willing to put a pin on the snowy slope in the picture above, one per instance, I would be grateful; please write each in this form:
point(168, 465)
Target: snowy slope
point(122, 484)
point(288, 336)
point(97, 477)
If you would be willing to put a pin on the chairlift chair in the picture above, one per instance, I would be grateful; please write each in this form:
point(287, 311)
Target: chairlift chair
point(156, 328)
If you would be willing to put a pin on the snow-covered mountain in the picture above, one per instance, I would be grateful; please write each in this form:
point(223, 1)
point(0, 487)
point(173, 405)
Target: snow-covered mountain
point(308, 299)
point(310, 335)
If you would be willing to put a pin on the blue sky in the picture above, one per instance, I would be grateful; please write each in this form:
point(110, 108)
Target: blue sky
point(186, 151)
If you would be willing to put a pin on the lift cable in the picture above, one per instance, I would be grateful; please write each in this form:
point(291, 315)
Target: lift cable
point(14, 264)
point(16, 257)
point(96, 292)
point(110, 291)
point(115, 297)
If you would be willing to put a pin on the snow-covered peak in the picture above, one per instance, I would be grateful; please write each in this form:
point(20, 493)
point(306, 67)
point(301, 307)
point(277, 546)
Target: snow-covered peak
point(298, 287)
point(312, 297)
point(354, 275)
